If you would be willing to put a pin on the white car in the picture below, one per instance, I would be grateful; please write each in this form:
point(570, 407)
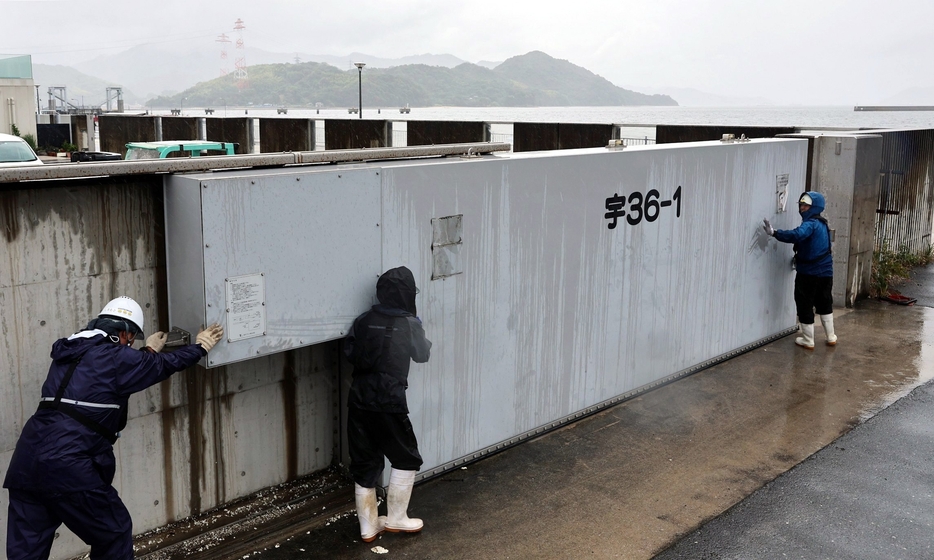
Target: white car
point(14, 152)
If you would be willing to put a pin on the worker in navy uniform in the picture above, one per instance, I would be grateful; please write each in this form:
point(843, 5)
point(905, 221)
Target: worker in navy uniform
point(63, 464)
point(380, 345)
point(814, 266)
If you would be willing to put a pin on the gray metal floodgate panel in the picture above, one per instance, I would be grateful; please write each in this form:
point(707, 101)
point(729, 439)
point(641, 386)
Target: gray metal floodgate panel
point(289, 259)
point(581, 276)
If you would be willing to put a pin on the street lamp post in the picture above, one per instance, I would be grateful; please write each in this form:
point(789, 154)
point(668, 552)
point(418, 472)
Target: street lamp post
point(360, 66)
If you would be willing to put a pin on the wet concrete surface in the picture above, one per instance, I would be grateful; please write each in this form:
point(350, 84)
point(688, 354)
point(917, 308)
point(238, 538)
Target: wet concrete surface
point(633, 480)
point(869, 495)
point(920, 285)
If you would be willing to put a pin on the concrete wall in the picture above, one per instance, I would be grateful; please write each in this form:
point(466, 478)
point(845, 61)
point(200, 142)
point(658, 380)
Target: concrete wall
point(424, 133)
point(200, 438)
point(238, 130)
point(180, 128)
point(18, 105)
point(533, 137)
point(286, 135)
point(346, 134)
point(117, 130)
point(845, 169)
point(82, 131)
point(672, 133)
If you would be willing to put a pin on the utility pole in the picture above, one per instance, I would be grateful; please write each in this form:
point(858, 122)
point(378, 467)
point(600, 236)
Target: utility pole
point(360, 66)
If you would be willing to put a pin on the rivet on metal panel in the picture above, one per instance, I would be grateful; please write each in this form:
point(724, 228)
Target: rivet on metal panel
point(338, 176)
point(342, 332)
point(252, 182)
point(298, 178)
point(204, 185)
point(42, 323)
point(257, 352)
point(155, 503)
point(209, 305)
point(206, 245)
point(242, 473)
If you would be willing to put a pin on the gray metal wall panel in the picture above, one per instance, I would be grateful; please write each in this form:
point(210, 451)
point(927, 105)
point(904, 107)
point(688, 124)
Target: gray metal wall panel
point(184, 242)
point(315, 237)
point(906, 197)
point(554, 311)
point(71, 246)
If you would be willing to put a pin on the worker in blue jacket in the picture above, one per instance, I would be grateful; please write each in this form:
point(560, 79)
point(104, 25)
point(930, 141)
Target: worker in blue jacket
point(814, 265)
point(63, 464)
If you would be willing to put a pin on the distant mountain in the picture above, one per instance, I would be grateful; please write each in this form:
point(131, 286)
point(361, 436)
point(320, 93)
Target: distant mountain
point(161, 69)
point(81, 88)
point(154, 69)
point(689, 97)
point(346, 62)
point(534, 79)
point(558, 83)
point(489, 63)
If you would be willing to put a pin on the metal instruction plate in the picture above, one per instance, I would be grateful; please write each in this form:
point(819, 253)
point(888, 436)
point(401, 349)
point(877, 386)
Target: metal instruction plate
point(246, 307)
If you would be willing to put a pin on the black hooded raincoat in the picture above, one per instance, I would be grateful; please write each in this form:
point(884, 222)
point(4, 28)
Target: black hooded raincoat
point(382, 342)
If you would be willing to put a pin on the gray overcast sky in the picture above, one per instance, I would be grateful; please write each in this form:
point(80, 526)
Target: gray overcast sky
point(817, 52)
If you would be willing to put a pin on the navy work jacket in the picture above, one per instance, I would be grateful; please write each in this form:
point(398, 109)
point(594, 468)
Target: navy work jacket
point(811, 241)
point(56, 453)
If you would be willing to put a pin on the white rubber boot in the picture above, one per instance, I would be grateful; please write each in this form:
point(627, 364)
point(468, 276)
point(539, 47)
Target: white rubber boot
point(371, 525)
point(806, 340)
point(397, 502)
point(827, 321)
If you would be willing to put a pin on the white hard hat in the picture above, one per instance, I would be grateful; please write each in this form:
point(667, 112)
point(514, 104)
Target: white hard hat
point(805, 199)
point(124, 307)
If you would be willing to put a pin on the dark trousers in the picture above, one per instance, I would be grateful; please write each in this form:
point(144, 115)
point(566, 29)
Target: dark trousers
point(374, 435)
point(97, 516)
point(813, 292)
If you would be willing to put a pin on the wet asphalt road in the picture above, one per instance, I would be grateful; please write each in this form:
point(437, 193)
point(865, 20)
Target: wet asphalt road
point(868, 495)
point(744, 460)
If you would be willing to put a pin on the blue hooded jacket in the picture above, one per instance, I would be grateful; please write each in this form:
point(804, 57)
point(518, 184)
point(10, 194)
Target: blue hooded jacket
point(57, 453)
point(811, 241)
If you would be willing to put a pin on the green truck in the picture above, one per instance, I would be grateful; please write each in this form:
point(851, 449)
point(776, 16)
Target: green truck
point(175, 148)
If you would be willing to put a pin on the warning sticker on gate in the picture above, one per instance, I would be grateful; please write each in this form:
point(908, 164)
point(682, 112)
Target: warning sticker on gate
point(246, 307)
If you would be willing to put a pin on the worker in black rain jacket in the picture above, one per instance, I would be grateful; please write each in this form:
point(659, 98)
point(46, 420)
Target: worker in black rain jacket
point(814, 266)
point(380, 345)
point(63, 465)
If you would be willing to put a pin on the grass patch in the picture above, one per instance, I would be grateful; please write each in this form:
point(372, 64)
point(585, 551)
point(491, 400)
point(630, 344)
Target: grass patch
point(891, 268)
